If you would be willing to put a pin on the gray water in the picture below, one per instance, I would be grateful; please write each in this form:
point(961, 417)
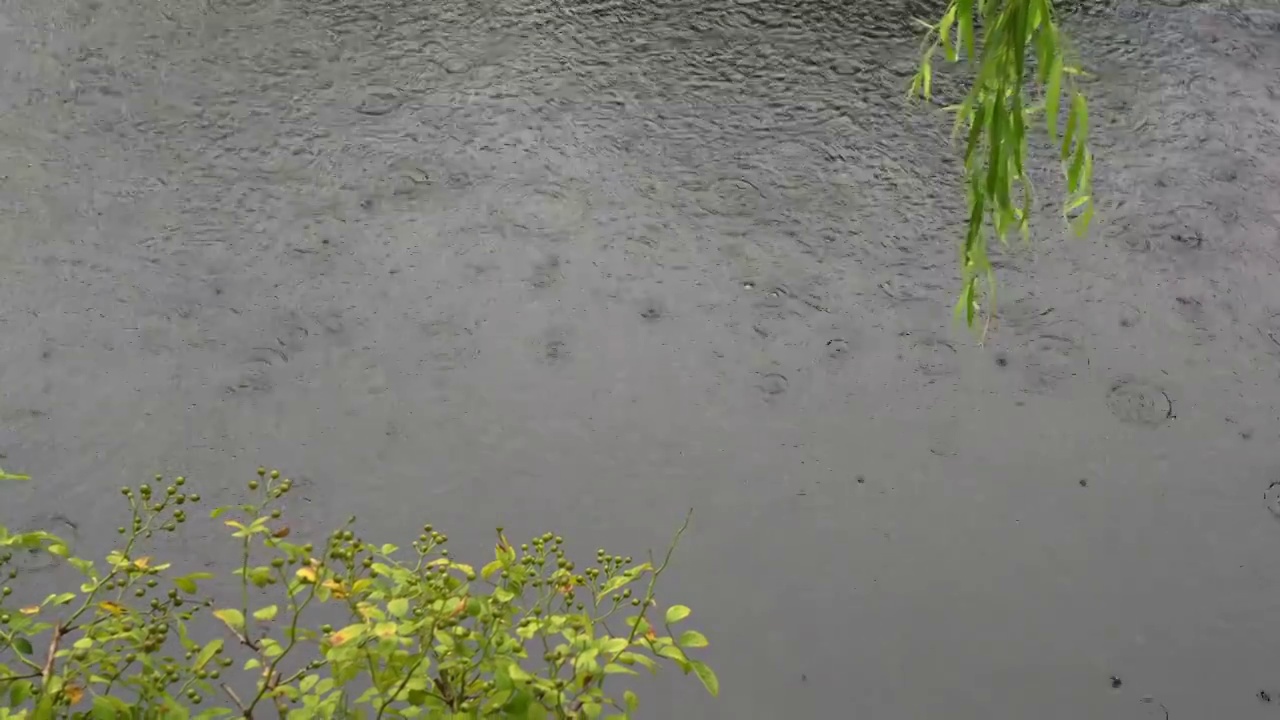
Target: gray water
point(581, 266)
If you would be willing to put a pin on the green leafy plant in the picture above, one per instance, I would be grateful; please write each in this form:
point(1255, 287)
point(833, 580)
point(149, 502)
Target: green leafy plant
point(346, 628)
point(1015, 35)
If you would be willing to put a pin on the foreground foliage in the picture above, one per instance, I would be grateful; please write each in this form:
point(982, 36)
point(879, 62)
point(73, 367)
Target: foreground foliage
point(414, 634)
point(1015, 35)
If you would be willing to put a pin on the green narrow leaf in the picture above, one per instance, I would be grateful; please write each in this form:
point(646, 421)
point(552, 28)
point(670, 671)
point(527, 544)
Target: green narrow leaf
point(1068, 137)
point(631, 700)
point(1053, 95)
point(1086, 217)
point(707, 676)
point(1019, 139)
point(965, 8)
point(207, 653)
point(944, 33)
point(1075, 170)
point(266, 614)
point(676, 613)
point(973, 143)
point(1081, 107)
point(1075, 204)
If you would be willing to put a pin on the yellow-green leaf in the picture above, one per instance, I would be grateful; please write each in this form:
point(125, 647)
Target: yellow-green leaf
point(518, 673)
point(707, 676)
point(233, 619)
point(266, 613)
point(399, 607)
point(609, 646)
point(187, 583)
point(676, 613)
point(692, 639)
point(675, 654)
point(634, 658)
point(347, 634)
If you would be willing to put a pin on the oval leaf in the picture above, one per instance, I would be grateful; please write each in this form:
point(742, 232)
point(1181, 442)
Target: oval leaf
point(708, 677)
point(693, 639)
point(234, 619)
point(676, 613)
point(398, 607)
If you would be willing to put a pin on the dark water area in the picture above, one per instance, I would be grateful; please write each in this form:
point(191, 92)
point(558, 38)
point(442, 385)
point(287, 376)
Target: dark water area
point(581, 266)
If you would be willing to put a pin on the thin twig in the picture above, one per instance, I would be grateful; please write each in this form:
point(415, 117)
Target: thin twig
point(47, 671)
point(653, 580)
point(235, 698)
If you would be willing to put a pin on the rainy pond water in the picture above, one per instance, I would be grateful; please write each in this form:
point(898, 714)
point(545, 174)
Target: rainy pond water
point(583, 265)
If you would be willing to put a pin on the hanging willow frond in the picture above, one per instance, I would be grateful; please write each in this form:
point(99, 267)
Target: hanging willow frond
point(994, 117)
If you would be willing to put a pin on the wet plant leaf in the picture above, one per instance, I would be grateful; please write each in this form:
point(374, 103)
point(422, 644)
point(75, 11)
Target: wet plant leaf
point(993, 113)
point(692, 639)
point(233, 619)
point(707, 676)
